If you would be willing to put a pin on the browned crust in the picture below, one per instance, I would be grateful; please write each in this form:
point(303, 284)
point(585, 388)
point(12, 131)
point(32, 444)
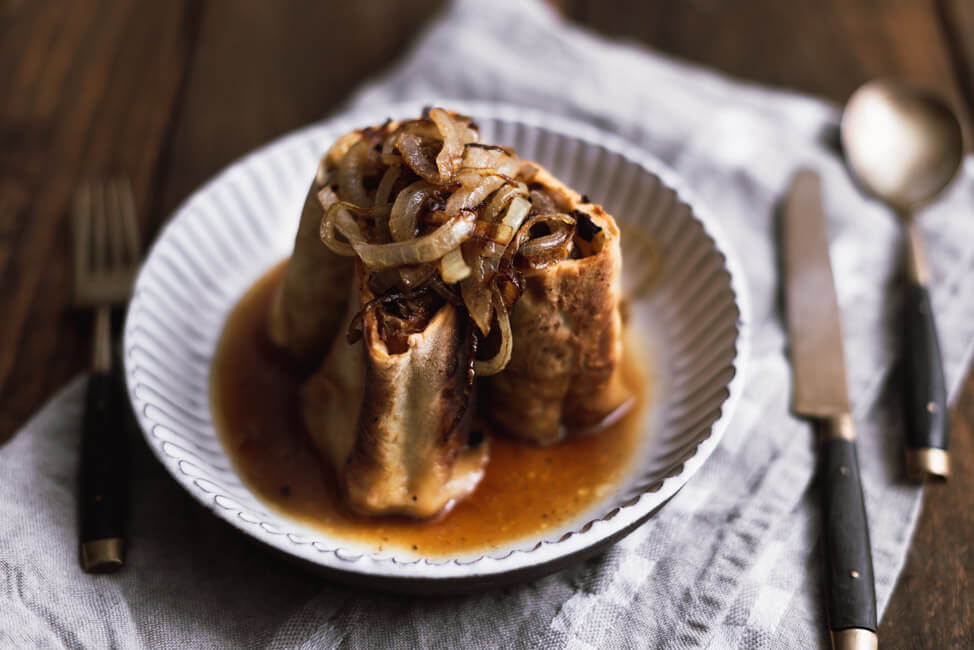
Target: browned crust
point(310, 301)
point(566, 364)
point(408, 454)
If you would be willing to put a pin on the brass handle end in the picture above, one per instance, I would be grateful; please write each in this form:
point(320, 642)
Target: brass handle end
point(102, 555)
point(927, 463)
point(854, 638)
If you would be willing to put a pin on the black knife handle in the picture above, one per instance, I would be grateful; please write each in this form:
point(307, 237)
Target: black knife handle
point(102, 477)
point(849, 564)
point(927, 429)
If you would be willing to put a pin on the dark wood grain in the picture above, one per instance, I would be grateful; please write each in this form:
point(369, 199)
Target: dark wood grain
point(171, 92)
point(260, 71)
point(933, 604)
point(88, 87)
point(957, 23)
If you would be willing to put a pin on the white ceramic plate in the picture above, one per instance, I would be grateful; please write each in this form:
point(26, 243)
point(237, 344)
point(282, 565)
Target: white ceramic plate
point(234, 228)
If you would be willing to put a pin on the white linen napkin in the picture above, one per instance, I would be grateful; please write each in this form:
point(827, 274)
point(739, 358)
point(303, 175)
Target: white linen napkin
point(732, 561)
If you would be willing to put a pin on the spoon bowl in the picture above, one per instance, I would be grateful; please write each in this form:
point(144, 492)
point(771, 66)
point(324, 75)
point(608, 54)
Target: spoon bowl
point(902, 144)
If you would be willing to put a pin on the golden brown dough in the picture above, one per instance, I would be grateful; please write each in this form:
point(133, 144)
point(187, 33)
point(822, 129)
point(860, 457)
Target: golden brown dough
point(564, 375)
point(396, 426)
point(456, 243)
point(310, 301)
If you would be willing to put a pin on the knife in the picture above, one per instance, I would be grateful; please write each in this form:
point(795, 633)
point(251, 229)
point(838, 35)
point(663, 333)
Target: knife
point(821, 394)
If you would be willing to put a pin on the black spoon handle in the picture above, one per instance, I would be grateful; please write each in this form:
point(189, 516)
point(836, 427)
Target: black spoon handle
point(849, 565)
point(927, 430)
point(103, 478)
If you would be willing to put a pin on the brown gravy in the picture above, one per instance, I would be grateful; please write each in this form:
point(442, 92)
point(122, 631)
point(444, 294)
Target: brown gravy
point(526, 491)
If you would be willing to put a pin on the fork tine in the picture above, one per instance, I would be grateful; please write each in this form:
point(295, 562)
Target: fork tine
point(99, 227)
point(82, 229)
point(130, 219)
point(116, 226)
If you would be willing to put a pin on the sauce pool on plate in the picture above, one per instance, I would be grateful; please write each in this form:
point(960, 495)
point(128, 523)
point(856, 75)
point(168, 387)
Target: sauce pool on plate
point(526, 491)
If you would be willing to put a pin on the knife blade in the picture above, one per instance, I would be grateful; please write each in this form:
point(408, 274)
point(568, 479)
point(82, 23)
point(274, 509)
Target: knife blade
point(821, 393)
point(814, 332)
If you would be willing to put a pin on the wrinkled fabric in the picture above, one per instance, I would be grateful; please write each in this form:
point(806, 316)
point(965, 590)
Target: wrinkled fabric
point(733, 561)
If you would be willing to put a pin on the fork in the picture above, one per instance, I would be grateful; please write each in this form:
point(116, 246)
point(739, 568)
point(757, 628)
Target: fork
point(106, 257)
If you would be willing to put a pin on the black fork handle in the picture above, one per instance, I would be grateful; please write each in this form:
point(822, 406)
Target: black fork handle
point(103, 478)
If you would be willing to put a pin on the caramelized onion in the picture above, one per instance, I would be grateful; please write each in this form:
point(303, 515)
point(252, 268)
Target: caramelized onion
point(325, 174)
point(542, 202)
point(411, 148)
point(555, 222)
point(475, 290)
point(472, 192)
point(545, 244)
point(449, 158)
point(539, 252)
point(389, 178)
point(516, 213)
point(404, 218)
point(502, 199)
point(427, 248)
point(327, 198)
point(452, 267)
point(481, 158)
point(351, 172)
point(455, 232)
point(338, 210)
point(500, 360)
point(487, 172)
point(341, 147)
point(509, 286)
point(388, 154)
point(502, 233)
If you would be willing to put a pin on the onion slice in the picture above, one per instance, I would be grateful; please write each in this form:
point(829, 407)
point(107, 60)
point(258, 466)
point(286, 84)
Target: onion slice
point(389, 179)
point(339, 217)
point(475, 289)
point(500, 360)
point(558, 220)
point(411, 147)
point(341, 147)
point(472, 193)
point(545, 244)
point(327, 198)
point(458, 226)
point(543, 202)
point(427, 248)
point(453, 268)
point(501, 199)
point(516, 213)
point(449, 158)
point(351, 171)
point(404, 218)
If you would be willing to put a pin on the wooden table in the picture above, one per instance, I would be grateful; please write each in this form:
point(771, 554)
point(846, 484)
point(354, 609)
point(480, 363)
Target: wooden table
point(170, 92)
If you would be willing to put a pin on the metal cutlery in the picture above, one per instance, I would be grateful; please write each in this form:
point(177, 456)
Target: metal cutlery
point(905, 146)
point(106, 257)
point(821, 394)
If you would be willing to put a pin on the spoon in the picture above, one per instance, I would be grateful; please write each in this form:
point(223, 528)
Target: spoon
point(904, 146)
